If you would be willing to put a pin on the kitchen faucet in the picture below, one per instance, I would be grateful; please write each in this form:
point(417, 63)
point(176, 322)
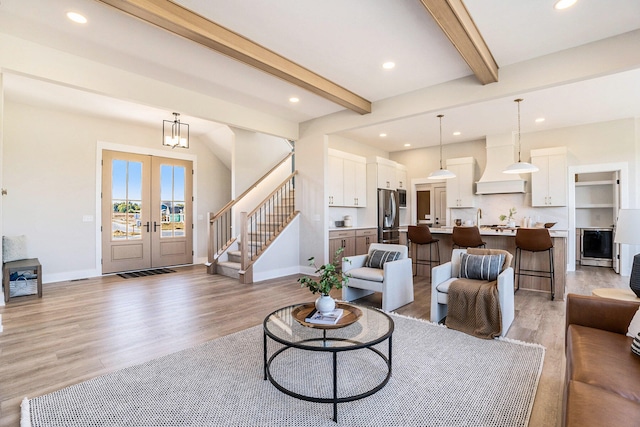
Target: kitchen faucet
point(478, 217)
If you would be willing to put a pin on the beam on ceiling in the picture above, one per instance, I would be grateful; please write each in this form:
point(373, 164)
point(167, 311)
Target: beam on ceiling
point(454, 20)
point(178, 20)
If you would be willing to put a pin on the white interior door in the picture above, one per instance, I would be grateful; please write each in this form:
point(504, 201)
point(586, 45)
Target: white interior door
point(616, 208)
point(146, 212)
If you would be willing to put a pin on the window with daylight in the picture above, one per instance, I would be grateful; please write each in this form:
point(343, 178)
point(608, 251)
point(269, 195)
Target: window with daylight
point(126, 199)
point(172, 196)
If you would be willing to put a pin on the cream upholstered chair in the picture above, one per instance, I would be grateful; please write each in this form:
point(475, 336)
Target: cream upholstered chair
point(443, 275)
point(394, 279)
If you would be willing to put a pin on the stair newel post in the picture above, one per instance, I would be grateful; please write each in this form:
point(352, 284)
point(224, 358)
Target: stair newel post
point(245, 275)
point(213, 239)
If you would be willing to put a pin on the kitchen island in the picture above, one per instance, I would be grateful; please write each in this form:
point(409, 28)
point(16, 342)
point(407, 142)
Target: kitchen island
point(504, 238)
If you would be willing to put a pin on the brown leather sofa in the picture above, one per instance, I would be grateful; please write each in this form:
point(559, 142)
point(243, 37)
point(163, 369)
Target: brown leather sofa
point(602, 386)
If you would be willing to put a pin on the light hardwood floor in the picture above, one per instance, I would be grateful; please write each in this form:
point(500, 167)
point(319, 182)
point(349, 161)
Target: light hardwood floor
point(82, 329)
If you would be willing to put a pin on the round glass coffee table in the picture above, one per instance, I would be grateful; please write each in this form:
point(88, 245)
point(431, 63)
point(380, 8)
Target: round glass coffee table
point(362, 328)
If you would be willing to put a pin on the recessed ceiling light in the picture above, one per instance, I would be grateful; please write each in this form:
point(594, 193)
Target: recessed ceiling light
point(540, 120)
point(382, 135)
point(407, 145)
point(457, 133)
point(76, 17)
point(564, 4)
point(294, 99)
point(388, 65)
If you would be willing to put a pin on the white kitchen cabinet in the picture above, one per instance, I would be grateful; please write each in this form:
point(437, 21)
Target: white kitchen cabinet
point(347, 180)
point(336, 180)
point(401, 177)
point(460, 192)
point(549, 184)
point(387, 176)
point(355, 183)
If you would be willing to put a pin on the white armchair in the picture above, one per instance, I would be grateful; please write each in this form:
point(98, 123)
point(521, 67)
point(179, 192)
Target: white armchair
point(442, 276)
point(394, 280)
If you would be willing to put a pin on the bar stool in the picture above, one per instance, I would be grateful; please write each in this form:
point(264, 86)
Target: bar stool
point(421, 235)
point(467, 237)
point(534, 240)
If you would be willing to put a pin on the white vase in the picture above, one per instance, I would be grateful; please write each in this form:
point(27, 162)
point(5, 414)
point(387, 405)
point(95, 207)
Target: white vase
point(325, 304)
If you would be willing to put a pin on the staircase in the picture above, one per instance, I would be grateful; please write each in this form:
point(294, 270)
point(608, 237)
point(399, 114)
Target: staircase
point(232, 254)
point(259, 238)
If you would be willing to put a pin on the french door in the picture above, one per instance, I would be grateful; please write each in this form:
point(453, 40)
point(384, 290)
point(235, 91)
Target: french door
point(146, 212)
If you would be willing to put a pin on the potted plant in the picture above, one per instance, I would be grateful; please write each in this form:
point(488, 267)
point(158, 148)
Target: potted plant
point(509, 218)
point(330, 278)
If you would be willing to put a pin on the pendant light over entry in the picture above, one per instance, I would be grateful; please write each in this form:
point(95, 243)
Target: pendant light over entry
point(520, 166)
point(441, 173)
point(175, 133)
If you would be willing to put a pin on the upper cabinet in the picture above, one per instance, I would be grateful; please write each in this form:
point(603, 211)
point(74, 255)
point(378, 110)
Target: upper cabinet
point(389, 174)
point(460, 192)
point(401, 177)
point(549, 184)
point(347, 180)
point(336, 180)
point(386, 176)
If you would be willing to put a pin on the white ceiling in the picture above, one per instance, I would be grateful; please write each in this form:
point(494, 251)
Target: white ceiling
point(344, 41)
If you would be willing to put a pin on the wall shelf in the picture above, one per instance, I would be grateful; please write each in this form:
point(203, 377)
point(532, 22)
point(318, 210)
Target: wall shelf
point(595, 206)
point(592, 183)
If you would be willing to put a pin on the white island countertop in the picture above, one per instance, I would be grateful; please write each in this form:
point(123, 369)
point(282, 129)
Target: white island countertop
point(490, 231)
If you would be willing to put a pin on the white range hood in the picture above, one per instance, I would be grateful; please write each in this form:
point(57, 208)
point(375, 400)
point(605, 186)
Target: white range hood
point(500, 154)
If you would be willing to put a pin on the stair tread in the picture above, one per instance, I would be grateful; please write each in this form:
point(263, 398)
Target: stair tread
point(230, 264)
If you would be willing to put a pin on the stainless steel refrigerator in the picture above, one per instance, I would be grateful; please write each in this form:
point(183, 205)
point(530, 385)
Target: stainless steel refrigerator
point(388, 216)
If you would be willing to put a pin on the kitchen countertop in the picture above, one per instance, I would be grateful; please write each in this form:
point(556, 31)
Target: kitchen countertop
point(485, 231)
point(351, 228)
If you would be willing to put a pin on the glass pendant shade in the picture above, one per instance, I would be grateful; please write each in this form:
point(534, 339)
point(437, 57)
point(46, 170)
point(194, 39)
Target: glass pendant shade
point(520, 166)
point(441, 173)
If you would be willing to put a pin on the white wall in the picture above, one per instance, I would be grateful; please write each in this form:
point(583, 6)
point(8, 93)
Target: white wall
point(49, 170)
point(254, 155)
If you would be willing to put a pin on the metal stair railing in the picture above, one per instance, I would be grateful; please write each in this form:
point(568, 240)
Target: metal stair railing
point(221, 235)
point(267, 220)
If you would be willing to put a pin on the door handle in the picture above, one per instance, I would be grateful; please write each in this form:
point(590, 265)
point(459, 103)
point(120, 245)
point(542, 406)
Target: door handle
point(155, 226)
point(148, 226)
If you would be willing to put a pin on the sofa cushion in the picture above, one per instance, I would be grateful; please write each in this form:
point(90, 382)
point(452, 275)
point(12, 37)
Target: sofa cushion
point(366, 273)
point(481, 267)
point(443, 290)
point(377, 258)
point(603, 359)
point(588, 405)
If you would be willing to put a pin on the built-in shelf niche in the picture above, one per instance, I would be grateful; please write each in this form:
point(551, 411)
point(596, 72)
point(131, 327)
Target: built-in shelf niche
point(595, 200)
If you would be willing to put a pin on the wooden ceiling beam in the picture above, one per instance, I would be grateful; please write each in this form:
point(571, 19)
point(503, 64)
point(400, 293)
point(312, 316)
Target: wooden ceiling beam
point(454, 20)
point(178, 20)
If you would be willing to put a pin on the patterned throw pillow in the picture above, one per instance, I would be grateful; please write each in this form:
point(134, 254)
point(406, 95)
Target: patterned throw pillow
point(635, 345)
point(377, 258)
point(481, 267)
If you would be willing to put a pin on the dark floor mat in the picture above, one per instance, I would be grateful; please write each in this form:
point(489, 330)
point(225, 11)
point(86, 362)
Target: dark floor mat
point(144, 273)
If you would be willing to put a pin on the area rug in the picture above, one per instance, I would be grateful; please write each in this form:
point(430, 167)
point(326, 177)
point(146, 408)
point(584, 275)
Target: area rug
point(440, 377)
point(144, 273)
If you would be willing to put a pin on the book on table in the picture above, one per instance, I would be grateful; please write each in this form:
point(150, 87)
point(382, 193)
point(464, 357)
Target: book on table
point(324, 319)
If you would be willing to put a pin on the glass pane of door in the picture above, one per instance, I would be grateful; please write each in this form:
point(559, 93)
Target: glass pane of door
point(173, 203)
point(126, 199)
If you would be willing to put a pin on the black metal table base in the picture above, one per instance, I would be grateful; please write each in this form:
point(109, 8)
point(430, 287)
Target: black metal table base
point(335, 350)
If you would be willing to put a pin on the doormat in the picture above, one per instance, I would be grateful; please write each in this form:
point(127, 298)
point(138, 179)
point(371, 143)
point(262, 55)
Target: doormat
point(144, 273)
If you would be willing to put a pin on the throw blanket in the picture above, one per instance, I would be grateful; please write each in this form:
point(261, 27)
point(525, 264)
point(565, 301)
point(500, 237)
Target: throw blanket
point(473, 308)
